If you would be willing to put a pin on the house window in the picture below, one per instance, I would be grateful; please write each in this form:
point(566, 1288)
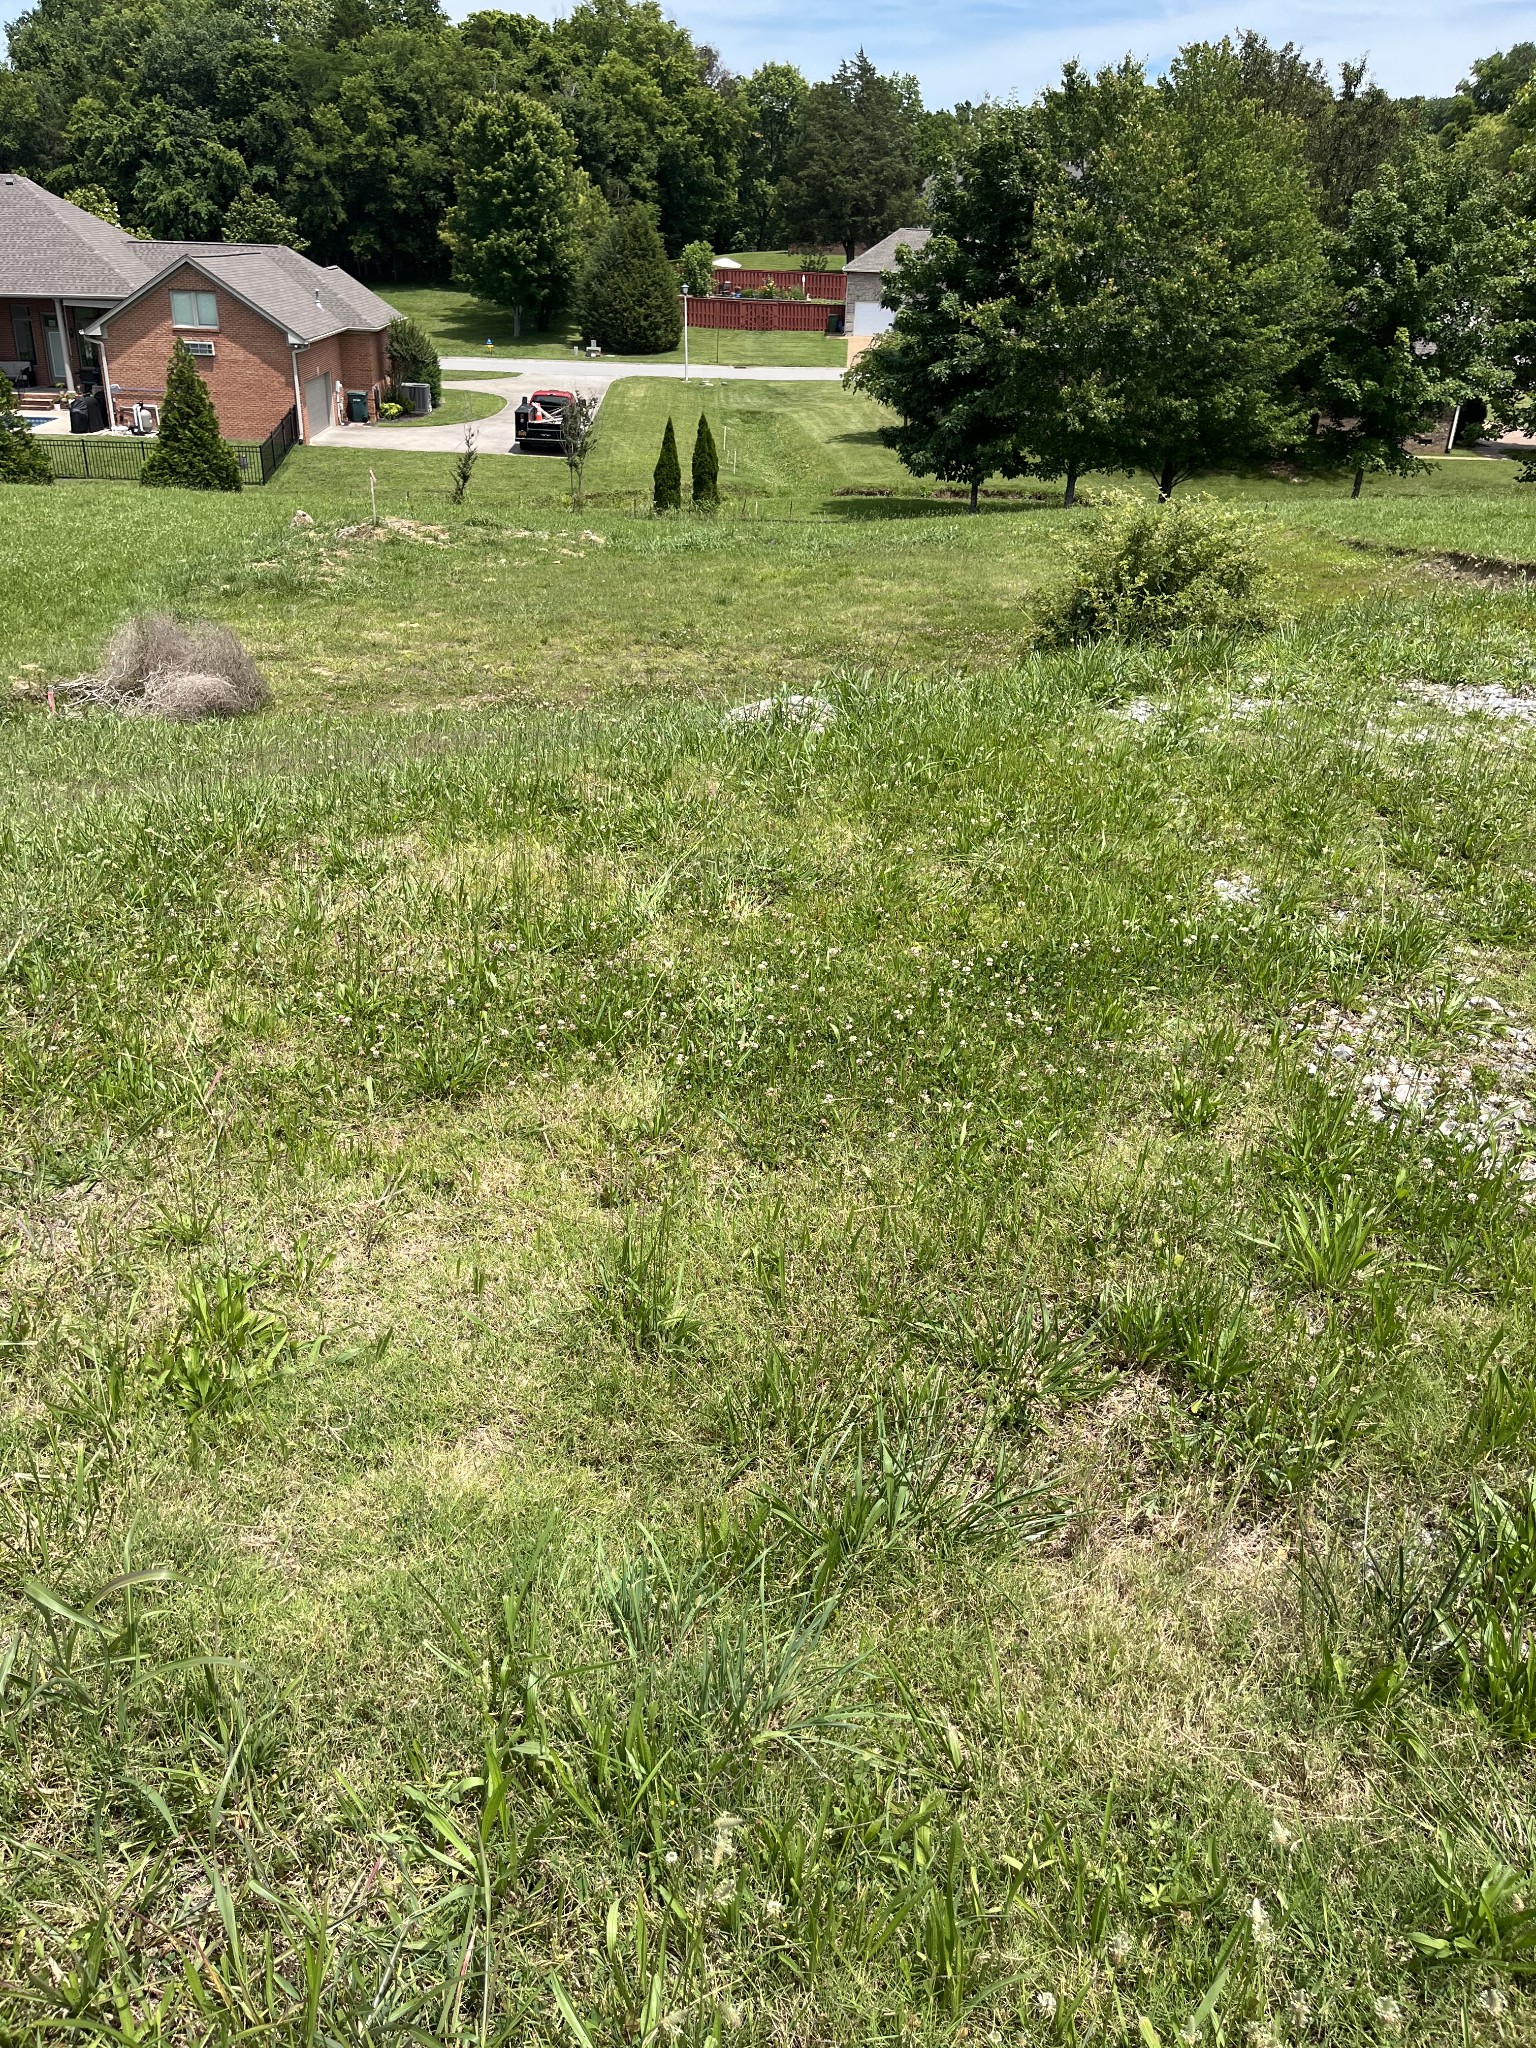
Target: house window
point(21, 334)
point(200, 348)
point(194, 309)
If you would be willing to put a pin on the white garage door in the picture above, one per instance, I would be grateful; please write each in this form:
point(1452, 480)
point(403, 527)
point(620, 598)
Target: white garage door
point(317, 404)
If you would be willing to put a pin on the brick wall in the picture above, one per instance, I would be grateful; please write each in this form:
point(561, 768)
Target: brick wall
point(250, 375)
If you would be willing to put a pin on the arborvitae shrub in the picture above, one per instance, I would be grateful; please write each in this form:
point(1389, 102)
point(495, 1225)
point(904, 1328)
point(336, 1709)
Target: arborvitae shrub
point(629, 296)
point(22, 461)
point(706, 466)
point(667, 485)
point(412, 358)
point(1147, 572)
point(189, 453)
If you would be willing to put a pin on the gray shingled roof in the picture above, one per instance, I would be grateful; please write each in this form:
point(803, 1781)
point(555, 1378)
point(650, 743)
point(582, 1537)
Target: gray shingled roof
point(280, 283)
point(50, 249)
point(883, 254)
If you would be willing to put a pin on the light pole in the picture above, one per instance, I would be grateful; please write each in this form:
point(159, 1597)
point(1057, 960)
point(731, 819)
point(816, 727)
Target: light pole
point(685, 334)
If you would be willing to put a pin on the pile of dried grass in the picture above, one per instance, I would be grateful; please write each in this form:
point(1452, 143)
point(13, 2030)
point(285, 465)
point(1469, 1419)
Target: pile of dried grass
point(157, 667)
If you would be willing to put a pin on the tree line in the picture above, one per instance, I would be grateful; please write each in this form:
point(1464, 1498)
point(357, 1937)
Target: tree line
point(372, 133)
point(1240, 261)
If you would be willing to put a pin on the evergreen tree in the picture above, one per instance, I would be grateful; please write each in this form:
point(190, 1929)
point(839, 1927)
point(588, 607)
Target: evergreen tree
point(22, 461)
point(413, 358)
point(667, 483)
point(189, 454)
point(629, 296)
point(852, 174)
point(513, 230)
point(706, 466)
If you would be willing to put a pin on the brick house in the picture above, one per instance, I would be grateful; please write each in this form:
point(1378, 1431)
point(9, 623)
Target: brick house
point(85, 307)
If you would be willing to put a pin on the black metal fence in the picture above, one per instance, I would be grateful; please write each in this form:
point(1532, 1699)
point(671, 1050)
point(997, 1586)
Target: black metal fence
point(114, 459)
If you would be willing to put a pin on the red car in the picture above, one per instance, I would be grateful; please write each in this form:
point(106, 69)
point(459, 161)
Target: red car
point(538, 421)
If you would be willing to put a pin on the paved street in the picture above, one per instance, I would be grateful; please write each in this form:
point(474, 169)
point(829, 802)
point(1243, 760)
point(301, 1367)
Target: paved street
point(556, 373)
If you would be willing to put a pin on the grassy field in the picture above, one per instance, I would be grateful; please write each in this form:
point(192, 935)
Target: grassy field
point(780, 259)
point(461, 324)
point(673, 1380)
point(456, 408)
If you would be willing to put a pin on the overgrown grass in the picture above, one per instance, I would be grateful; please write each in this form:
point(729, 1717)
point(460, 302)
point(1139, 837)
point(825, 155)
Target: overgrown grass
point(680, 1381)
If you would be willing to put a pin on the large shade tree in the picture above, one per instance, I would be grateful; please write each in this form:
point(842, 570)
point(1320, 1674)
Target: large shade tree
point(515, 227)
point(852, 174)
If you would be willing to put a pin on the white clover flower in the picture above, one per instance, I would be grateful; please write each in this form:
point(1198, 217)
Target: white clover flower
point(1258, 1920)
point(1281, 1836)
point(1045, 2004)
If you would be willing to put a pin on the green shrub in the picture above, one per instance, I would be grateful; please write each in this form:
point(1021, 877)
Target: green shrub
point(706, 466)
point(667, 481)
point(1147, 572)
point(413, 359)
point(696, 269)
point(189, 453)
point(629, 296)
point(22, 461)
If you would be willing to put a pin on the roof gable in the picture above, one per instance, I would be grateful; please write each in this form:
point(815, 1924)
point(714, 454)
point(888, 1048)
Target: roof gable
point(277, 283)
point(883, 254)
point(50, 249)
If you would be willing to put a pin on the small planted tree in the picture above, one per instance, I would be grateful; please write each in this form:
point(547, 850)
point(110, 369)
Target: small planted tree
point(578, 433)
point(696, 269)
point(629, 296)
point(22, 461)
point(667, 483)
point(412, 357)
point(190, 453)
point(464, 468)
point(706, 466)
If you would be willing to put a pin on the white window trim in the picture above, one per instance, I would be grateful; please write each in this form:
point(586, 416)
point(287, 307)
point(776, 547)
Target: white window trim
point(195, 326)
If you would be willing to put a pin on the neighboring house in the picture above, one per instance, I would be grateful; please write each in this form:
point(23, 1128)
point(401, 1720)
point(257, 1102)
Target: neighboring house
point(85, 307)
point(865, 276)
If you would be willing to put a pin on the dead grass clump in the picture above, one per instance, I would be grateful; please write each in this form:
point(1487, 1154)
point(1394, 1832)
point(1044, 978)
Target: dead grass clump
point(158, 667)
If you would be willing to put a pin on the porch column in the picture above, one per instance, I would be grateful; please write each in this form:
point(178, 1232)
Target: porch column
point(69, 368)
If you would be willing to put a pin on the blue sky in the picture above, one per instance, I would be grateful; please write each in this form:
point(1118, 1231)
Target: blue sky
point(968, 49)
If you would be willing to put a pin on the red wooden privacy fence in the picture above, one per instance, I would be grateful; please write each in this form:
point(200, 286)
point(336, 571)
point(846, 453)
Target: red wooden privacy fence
point(765, 316)
point(816, 284)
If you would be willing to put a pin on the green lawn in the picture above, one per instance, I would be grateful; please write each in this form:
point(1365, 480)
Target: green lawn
point(668, 1380)
point(457, 408)
point(461, 324)
point(780, 259)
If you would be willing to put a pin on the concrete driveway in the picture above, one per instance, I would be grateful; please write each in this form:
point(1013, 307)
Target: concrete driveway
point(591, 380)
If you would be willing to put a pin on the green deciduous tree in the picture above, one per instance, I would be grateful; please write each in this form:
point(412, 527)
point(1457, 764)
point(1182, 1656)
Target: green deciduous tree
point(696, 268)
point(770, 101)
point(852, 171)
point(1177, 237)
point(22, 461)
point(514, 227)
point(667, 481)
point(256, 217)
point(629, 297)
point(189, 454)
point(1412, 271)
point(706, 466)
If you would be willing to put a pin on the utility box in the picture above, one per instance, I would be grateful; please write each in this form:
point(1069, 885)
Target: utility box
point(418, 397)
point(357, 408)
